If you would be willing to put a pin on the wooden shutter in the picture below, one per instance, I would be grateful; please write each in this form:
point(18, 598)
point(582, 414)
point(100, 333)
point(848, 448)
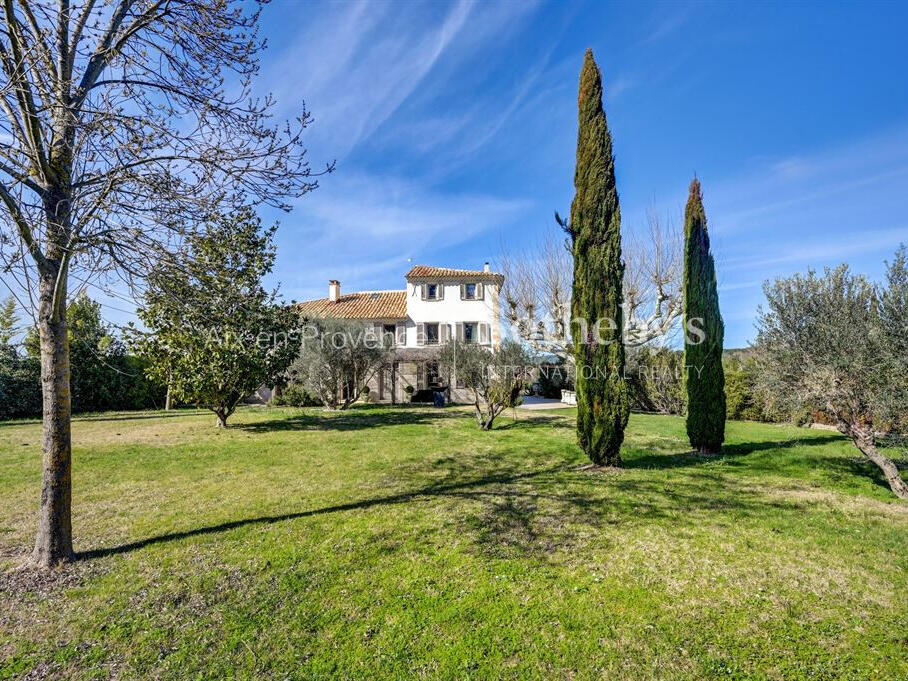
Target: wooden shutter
point(420, 376)
point(479, 292)
point(444, 333)
point(484, 333)
point(439, 291)
point(420, 334)
point(401, 333)
point(459, 331)
point(463, 291)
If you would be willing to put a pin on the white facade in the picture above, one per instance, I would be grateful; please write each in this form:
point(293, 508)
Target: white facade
point(438, 305)
point(455, 315)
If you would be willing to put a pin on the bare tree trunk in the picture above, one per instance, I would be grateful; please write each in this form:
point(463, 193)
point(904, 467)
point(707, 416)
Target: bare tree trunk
point(865, 442)
point(222, 418)
point(54, 541)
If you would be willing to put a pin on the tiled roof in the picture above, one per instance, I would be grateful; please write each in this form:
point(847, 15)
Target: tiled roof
point(362, 305)
point(427, 272)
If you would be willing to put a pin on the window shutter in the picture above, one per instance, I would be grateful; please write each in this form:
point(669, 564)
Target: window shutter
point(484, 333)
point(420, 376)
point(401, 333)
point(463, 292)
point(459, 331)
point(422, 290)
point(420, 334)
point(444, 330)
point(440, 291)
point(479, 292)
point(378, 329)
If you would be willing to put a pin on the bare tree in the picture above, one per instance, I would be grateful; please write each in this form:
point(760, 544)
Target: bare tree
point(119, 128)
point(537, 288)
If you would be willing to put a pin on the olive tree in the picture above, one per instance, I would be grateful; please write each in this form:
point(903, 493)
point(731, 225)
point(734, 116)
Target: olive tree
point(337, 359)
point(124, 124)
point(836, 343)
point(496, 378)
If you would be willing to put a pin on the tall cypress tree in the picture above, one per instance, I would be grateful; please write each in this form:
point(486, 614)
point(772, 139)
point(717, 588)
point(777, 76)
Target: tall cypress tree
point(595, 227)
point(704, 333)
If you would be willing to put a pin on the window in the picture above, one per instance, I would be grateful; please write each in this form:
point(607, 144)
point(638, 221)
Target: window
point(389, 332)
point(471, 292)
point(432, 334)
point(433, 376)
point(470, 332)
point(431, 291)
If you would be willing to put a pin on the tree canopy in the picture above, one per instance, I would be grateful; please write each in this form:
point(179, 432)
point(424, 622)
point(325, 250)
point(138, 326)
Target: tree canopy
point(835, 342)
point(214, 333)
point(337, 358)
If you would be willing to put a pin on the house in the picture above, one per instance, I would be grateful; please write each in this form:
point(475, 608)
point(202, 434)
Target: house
point(438, 304)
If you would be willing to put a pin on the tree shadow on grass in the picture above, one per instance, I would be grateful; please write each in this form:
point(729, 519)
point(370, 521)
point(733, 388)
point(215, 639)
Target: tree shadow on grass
point(529, 422)
point(530, 513)
point(403, 497)
point(351, 419)
point(731, 451)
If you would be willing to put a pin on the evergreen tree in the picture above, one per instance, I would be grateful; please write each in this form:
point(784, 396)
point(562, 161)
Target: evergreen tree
point(595, 228)
point(215, 333)
point(8, 321)
point(704, 333)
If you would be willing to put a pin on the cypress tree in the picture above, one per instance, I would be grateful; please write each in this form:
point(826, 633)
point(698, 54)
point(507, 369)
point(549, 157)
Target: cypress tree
point(595, 227)
point(704, 333)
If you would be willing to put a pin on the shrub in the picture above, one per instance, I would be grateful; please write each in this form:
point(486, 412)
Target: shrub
point(20, 385)
point(654, 380)
point(295, 395)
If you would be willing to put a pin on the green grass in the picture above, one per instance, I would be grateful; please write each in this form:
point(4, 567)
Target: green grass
point(399, 543)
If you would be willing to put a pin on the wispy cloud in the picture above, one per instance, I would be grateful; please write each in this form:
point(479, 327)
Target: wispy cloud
point(357, 64)
point(666, 23)
point(367, 228)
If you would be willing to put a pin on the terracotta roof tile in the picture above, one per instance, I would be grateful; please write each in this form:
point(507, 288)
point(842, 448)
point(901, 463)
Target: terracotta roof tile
point(427, 272)
point(361, 305)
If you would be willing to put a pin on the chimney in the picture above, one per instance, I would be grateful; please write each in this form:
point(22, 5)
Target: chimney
point(334, 290)
point(485, 267)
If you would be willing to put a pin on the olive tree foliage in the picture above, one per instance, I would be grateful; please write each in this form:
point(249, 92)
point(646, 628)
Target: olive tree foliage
point(536, 294)
point(836, 343)
point(124, 123)
point(496, 378)
point(337, 358)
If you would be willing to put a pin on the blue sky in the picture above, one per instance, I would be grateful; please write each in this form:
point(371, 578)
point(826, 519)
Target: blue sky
point(454, 126)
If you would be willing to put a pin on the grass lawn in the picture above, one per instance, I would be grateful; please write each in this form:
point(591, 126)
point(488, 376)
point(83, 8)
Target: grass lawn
point(398, 543)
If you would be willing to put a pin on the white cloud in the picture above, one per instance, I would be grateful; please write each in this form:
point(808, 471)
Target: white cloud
point(356, 64)
point(365, 229)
